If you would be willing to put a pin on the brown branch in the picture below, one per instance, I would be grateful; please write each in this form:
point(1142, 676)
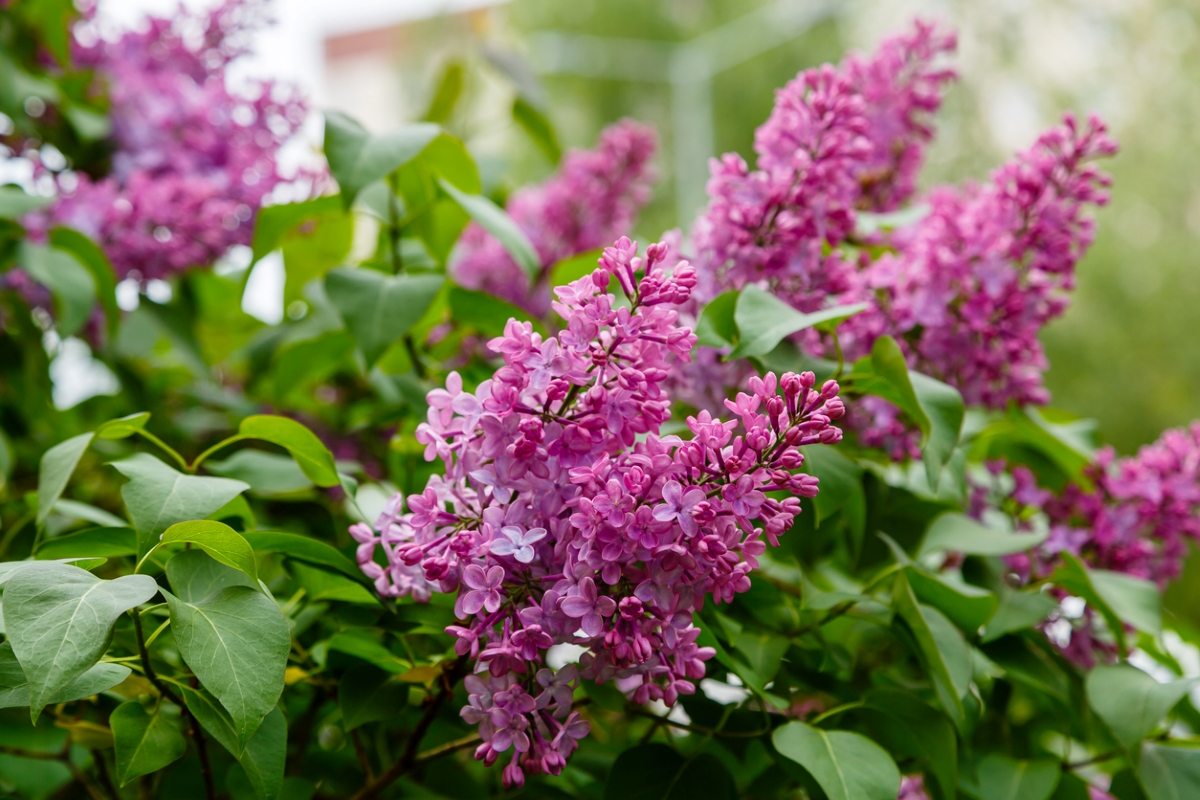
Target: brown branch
point(361, 752)
point(210, 788)
point(409, 758)
point(151, 675)
point(700, 729)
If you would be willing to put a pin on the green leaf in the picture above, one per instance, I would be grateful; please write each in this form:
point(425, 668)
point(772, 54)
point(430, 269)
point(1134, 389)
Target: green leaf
point(212, 716)
point(369, 694)
point(360, 645)
point(237, 643)
point(304, 548)
point(357, 157)
point(269, 474)
point(487, 313)
point(574, 267)
point(195, 576)
point(58, 619)
point(97, 264)
point(846, 765)
point(1004, 778)
point(310, 454)
point(265, 755)
point(91, 543)
point(321, 584)
point(940, 645)
point(1170, 772)
point(839, 476)
point(272, 224)
point(969, 607)
point(657, 772)
point(1131, 702)
point(763, 321)
point(89, 513)
point(14, 687)
point(310, 360)
point(145, 742)
point(716, 326)
point(538, 127)
point(379, 309)
point(69, 281)
point(449, 89)
point(493, 219)
point(157, 496)
point(1119, 598)
point(958, 533)
point(16, 203)
point(217, 539)
point(58, 464)
point(1067, 445)
point(1018, 611)
point(124, 427)
point(911, 729)
point(943, 406)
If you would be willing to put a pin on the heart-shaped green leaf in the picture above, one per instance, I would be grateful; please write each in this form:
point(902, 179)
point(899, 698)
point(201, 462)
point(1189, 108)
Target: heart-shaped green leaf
point(763, 321)
point(237, 643)
point(217, 539)
point(358, 157)
point(379, 309)
point(1131, 702)
point(848, 766)
point(146, 741)
point(58, 619)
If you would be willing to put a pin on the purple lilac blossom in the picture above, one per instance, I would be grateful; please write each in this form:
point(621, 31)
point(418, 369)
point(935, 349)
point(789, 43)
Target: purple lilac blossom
point(591, 200)
point(630, 530)
point(193, 159)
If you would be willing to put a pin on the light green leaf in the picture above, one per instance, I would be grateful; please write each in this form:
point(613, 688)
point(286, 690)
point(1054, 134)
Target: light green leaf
point(357, 157)
point(379, 309)
point(1131, 702)
point(360, 645)
point(1170, 772)
point(763, 321)
point(89, 513)
point(969, 607)
point(58, 464)
point(304, 548)
point(16, 203)
point(846, 765)
point(91, 543)
point(69, 282)
point(575, 267)
point(943, 406)
point(449, 89)
point(369, 694)
point(1004, 778)
point(14, 687)
point(321, 584)
point(58, 619)
point(1119, 598)
point(95, 262)
point(157, 496)
point(272, 224)
point(195, 576)
point(310, 454)
point(145, 742)
point(217, 539)
point(237, 643)
point(1018, 611)
point(493, 219)
point(958, 533)
point(123, 427)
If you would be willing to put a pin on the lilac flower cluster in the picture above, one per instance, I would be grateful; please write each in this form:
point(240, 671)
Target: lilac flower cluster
point(193, 160)
point(839, 138)
point(592, 199)
point(565, 517)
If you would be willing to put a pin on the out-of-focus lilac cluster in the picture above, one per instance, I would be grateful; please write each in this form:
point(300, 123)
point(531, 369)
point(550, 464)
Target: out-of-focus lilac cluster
point(912, 787)
point(592, 199)
point(565, 517)
point(193, 159)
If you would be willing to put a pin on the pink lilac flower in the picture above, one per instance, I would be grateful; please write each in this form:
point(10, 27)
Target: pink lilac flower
point(592, 199)
point(193, 160)
point(565, 516)
point(912, 787)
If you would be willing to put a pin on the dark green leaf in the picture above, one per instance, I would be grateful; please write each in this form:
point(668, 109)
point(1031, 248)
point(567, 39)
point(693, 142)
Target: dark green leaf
point(94, 542)
point(310, 454)
point(1018, 611)
point(911, 729)
point(145, 742)
point(304, 548)
point(538, 127)
point(58, 464)
point(157, 496)
point(969, 607)
point(69, 281)
point(493, 219)
point(360, 645)
point(379, 309)
point(941, 647)
point(237, 643)
point(58, 619)
point(840, 479)
point(369, 694)
point(1004, 778)
point(487, 313)
point(322, 584)
point(357, 157)
point(763, 321)
point(847, 766)
point(716, 326)
point(656, 772)
point(264, 756)
point(97, 264)
point(958, 533)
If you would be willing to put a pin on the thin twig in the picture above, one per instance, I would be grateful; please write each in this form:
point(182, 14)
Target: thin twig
point(361, 751)
point(700, 729)
point(210, 789)
point(411, 750)
point(22, 752)
point(151, 676)
point(105, 778)
point(1089, 761)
